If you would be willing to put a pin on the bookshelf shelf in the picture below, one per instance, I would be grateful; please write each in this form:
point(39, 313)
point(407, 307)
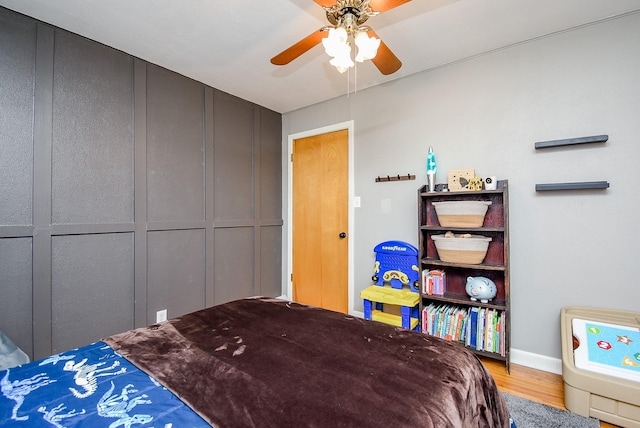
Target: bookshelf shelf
point(438, 262)
point(495, 266)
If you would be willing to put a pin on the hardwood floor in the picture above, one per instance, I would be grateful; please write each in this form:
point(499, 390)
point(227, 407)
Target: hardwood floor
point(536, 385)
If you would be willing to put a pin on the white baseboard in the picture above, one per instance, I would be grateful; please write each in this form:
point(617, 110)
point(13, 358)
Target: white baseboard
point(523, 358)
point(536, 361)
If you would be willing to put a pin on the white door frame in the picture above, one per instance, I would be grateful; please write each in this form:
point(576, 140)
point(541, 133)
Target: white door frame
point(324, 130)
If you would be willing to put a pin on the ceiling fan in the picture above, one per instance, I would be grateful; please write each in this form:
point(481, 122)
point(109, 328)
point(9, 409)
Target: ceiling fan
point(347, 18)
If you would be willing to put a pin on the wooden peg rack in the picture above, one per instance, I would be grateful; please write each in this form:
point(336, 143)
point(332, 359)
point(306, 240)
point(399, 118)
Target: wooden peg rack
point(398, 177)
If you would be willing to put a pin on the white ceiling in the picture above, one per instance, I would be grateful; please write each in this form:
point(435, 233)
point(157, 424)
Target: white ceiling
point(228, 44)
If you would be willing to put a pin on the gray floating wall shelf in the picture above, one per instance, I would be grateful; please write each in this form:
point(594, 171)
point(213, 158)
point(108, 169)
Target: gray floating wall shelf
point(571, 141)
point(583, 185)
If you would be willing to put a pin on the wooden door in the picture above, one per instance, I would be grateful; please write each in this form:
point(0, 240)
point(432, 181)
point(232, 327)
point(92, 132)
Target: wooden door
point(320, 220)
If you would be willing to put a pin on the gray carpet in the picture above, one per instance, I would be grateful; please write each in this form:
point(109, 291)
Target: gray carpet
point(529, 414)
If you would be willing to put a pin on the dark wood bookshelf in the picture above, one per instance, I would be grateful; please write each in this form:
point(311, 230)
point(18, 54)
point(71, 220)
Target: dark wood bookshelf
point(495, 265)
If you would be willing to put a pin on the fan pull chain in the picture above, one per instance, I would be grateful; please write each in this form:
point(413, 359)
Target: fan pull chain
point(349, 83)
point(355, 78)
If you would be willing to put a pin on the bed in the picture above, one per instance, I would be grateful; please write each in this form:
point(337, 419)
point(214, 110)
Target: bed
point(256, 362)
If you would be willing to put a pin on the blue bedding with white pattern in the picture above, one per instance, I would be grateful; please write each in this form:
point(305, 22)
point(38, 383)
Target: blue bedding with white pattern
point(91, 386)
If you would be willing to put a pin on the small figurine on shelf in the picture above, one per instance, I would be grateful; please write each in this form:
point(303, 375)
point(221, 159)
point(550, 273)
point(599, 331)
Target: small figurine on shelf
point(480, 288)
point(490, 183)
point(475, 184)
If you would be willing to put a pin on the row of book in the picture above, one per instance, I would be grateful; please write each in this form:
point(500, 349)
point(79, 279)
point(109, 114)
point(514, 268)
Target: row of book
point(434, 282)
point(478, 328)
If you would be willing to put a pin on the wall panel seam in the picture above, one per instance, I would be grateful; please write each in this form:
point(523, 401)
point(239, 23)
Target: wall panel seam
point(140, 192)
point(42, 169)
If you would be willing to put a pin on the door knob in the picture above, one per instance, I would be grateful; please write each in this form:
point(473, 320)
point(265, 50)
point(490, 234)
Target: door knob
point(342, 235)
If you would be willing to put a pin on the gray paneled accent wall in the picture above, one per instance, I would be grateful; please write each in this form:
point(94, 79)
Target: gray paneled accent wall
point(91, 287)
point(17, 36)
point(16, 293)
point(125, 188)
point(175, 147)
point(269, 241)
point(176, 266)
point(92, 127)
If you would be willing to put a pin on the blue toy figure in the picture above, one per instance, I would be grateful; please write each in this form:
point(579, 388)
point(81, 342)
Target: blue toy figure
point(397, 263)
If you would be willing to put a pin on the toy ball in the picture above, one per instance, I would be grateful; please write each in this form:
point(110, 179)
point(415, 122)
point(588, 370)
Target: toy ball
point(480, 288)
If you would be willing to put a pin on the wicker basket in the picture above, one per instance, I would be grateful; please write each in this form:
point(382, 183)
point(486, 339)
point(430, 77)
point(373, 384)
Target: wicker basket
point(469, 250)
point(461, 213)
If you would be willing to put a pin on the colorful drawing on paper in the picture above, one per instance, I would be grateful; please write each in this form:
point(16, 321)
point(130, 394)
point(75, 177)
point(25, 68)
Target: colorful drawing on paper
point(607, 349)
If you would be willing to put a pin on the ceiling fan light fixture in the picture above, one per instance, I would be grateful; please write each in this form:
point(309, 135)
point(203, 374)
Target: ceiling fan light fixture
point(335, 43)
point(342, 62)
point(367, 46)
point(347, 19)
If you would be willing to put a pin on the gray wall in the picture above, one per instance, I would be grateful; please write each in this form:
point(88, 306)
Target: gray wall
point(567, 248)
point(125, 189)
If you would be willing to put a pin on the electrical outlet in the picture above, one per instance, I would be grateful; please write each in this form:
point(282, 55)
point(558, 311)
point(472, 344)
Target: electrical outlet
point(356, 202)
point(161, 315)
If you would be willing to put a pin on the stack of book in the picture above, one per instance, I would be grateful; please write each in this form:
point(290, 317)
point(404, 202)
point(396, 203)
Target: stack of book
point(478, 328)
point(444, 321)
point(434, 282)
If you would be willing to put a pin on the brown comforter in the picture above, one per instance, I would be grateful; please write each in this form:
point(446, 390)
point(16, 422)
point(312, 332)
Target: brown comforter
point(270, 363)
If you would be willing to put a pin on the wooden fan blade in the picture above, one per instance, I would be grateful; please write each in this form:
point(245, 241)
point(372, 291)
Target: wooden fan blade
point(385, 60)
point(385, 5)
point(376, 5)
point(325, 3)
point(288, 55)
